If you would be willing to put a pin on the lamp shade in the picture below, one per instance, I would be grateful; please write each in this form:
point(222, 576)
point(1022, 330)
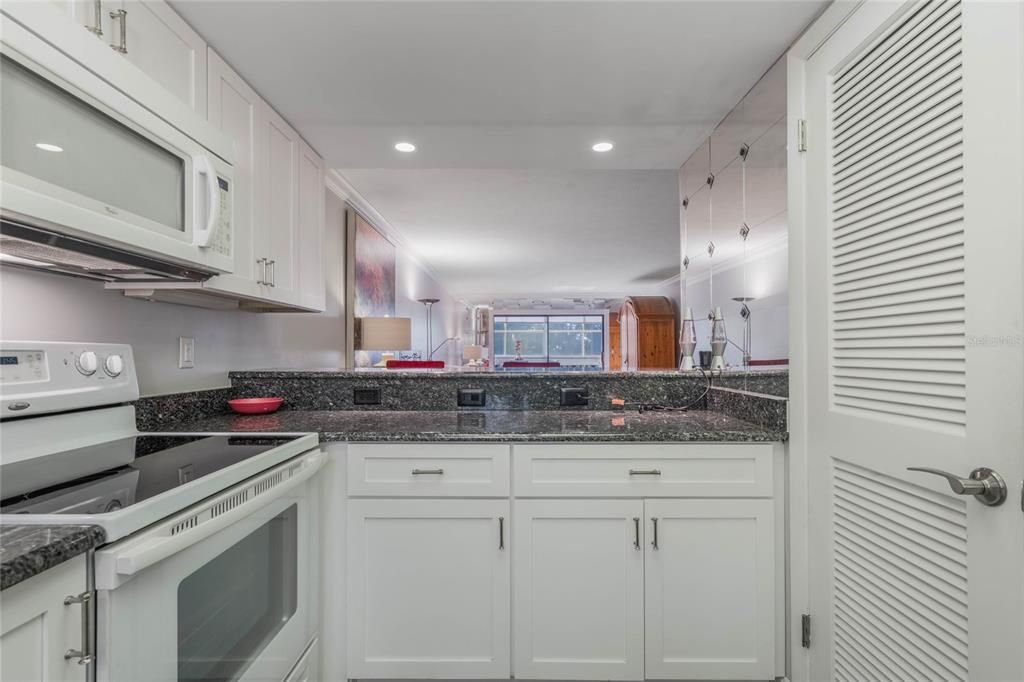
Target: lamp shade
point(472, 352)
point(383, 333)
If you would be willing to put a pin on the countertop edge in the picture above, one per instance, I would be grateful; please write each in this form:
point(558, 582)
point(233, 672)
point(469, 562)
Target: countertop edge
point(41, 555)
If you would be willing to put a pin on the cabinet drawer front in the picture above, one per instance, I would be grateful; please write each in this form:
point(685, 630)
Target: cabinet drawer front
point(645, 470)
point(428, 470)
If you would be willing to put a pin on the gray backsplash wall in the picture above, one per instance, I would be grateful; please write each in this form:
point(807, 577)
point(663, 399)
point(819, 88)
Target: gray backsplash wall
point(38, 306)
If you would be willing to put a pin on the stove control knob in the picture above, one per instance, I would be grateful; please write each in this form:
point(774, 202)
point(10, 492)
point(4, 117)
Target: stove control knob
point(87, 363)
point(113, 365)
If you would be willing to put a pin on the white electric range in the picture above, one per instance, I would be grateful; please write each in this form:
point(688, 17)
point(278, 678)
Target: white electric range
point(210, 570)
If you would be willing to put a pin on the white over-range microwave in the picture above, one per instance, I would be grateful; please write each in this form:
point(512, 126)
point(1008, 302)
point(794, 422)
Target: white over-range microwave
point(96, 183)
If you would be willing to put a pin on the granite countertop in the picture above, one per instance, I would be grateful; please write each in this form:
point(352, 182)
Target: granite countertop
point(495, 426)
point(27, 550)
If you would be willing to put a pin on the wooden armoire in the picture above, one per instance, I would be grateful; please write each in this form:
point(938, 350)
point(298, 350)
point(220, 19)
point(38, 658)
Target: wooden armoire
point(648, 331)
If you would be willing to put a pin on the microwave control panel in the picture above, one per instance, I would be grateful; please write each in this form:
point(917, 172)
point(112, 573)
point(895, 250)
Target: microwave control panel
point(222, 233)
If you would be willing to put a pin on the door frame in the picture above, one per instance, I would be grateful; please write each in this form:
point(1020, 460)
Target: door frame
point(799, 519)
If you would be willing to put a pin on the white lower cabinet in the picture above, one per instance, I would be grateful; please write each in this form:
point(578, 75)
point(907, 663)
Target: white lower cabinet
point(710, 589)
point(38, 627)
point(579, 586)
point(428, 589)
point(614, 580)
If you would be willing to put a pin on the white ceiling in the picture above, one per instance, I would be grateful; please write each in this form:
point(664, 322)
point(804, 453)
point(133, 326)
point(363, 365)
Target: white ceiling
point(523, 89)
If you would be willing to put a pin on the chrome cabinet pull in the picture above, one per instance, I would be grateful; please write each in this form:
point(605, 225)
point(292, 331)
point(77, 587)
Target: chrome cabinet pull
point(97, 20)
point(985, 485)
point(122, 16)
point(636, 533)
point(425, 472)
point(84, 656)
point(501, 532)
point(262, 263)
point(645, 472)
point(272, 264)
point(654, 541)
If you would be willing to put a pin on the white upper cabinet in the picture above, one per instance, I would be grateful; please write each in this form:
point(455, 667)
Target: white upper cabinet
point(233, 108)
point(152, 36)
point(312, 288)
point(279, 200)
point(160, 43)
point(278, 217)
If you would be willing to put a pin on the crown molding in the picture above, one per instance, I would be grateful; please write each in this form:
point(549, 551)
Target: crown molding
point(343, 189)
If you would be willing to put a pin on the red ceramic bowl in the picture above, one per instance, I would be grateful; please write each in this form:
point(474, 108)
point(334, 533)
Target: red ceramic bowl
point(255, 405)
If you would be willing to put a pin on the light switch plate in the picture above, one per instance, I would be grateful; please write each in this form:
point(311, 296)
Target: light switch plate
point(186, 352)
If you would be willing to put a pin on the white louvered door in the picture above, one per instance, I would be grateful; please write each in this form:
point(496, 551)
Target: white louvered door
point(912, 315)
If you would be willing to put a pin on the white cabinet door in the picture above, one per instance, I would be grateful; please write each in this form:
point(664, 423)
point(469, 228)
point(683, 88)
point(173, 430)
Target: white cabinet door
point(161, 44)
point(38, 627)
point(579, 585)
point(278, 189)
point(710, 589)
point(233, 108)
point(428, 589)
point(312, 288)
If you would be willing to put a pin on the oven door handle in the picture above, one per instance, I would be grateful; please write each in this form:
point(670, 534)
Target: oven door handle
point(211, 516)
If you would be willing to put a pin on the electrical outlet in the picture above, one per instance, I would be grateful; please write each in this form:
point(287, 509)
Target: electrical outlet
point(366, 396)
point(471, 397)
point(186, 352)
point(574, 397)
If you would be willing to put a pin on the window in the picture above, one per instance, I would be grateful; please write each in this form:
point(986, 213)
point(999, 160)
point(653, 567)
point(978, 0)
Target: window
point(573, 341)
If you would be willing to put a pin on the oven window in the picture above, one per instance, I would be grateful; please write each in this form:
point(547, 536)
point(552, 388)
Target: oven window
point(233, 606)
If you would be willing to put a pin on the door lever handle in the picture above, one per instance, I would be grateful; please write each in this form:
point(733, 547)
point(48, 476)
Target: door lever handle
point(983, 483)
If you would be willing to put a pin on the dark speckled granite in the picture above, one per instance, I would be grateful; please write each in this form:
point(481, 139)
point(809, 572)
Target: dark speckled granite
point(332, 389)
point(152, 412)
point(767, 411)
point(27, 550)
point(765, 381)
point(494, 425)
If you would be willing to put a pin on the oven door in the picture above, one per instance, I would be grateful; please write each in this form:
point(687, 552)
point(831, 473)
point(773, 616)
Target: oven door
point(81, 158)
point(223, 591)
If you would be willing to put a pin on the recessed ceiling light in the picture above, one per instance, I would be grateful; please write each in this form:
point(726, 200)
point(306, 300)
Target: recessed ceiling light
point(405, 147)
point(603, 147)
point(47, 147)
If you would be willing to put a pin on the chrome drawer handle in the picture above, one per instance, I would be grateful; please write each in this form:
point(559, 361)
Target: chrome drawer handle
point(425, 472)
point(122, 16)
point(83, 655)
point(97, 22)
point(645, 472)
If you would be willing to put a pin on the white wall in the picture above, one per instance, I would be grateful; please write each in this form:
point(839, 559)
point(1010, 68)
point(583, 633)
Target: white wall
point(413, 283)
point(38, 306)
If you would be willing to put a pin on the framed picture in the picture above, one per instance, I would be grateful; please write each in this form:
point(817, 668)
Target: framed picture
point(370, 278)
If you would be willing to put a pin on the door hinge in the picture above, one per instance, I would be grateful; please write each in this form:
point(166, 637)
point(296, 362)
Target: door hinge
point(805, 631)
point(801, 135)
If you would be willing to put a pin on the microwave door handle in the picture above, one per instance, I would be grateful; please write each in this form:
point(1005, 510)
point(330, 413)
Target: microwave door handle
point(149, 551)
point(203, 236)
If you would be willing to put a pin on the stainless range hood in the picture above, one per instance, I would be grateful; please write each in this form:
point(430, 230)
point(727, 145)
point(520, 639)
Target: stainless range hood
point(25, 246)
